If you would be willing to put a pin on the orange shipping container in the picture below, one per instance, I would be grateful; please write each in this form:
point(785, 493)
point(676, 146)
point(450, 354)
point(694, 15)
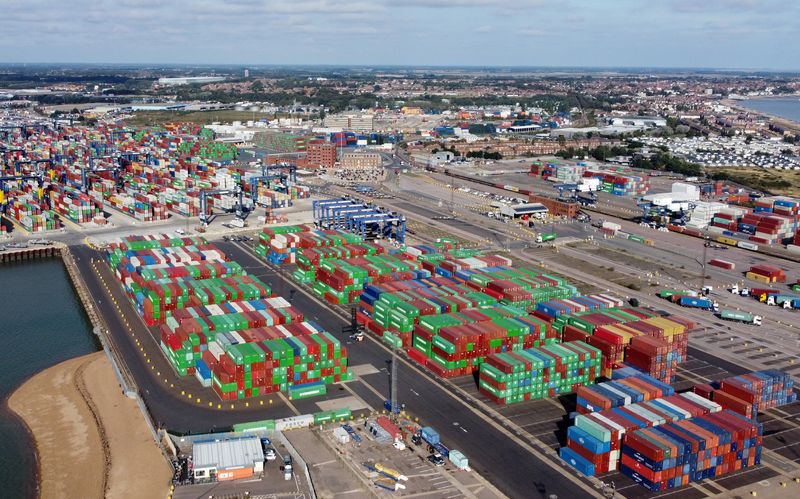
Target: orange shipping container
point(234, 474)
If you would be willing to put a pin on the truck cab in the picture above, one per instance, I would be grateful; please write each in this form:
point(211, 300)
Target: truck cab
point(287, 467)
point(756, 320)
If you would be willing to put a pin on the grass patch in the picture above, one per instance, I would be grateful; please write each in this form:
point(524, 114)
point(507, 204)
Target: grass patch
point(150, 118)
point(779, 182)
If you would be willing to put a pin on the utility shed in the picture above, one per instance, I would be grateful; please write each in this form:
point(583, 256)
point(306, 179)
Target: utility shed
point(519, 210)
point(219, 460)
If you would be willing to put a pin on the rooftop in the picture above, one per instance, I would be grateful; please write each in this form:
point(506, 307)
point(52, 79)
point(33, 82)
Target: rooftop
point(227, 454)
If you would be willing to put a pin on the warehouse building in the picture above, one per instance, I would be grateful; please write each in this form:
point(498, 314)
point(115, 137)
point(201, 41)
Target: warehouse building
point(358, 160)
point(222, 460)
point(189, 80)
point(533, 210)
point(355, 122)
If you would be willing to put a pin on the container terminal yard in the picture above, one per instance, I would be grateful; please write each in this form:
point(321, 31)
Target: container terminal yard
point(157, 242)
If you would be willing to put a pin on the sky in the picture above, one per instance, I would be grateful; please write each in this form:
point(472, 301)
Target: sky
point(740, 34)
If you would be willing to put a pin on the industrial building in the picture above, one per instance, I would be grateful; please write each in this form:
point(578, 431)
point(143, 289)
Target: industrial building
point(533, 210)
point(355, 122)
point(320, 154)
point(221, 460)
point(358, 160)
point(189, 80)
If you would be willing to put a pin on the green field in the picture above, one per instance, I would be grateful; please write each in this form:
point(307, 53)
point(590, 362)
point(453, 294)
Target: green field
point(777, 182)
point(149, 118)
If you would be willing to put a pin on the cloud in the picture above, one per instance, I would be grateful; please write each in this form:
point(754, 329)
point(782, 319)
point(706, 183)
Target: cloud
point(532, 32)
point(693, 6)
point(451, 4)
point(598, 32)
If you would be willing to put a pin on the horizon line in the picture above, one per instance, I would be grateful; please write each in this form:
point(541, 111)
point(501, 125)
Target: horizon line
point(418, 66)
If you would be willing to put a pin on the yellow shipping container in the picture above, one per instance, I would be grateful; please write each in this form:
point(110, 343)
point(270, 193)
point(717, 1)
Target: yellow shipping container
point(625, 335)
point(727, 240)
point(759, 278)
point(670, 328)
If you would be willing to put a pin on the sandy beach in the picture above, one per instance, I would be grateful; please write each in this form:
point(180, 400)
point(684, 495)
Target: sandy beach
point(91, 440)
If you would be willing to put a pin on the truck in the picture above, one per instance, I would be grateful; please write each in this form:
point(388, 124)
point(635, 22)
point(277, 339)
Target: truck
point(739, 316)
point(702, 303)
point(667, 294)
point(545, 237)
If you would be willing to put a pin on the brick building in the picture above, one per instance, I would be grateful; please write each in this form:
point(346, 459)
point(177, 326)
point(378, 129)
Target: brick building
point(361, 160)
point(320, 154)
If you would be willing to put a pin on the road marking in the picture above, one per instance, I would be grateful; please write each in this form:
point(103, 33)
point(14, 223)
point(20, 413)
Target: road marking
point(288, 403)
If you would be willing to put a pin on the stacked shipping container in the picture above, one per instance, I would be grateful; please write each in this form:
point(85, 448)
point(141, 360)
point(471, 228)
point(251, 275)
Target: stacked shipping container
point(594, 443)
point(672, 455)
point(534, 373)
point(224, 326)
point(750, 393)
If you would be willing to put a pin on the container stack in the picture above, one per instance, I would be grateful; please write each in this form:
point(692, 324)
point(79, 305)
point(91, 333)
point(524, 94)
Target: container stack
point(223, 326)
point(750, 393)
point(632, 388)
point(771, 221)
point(164, 169)
point(675, 454)
point(279, 245)
point(594, 442)
point(618, 184)
point(75, 205)
point(613, 330)
point(766, 274)
point(32, 215)
point(549, 371)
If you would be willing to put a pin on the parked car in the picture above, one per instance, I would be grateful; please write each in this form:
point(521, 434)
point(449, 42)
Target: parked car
point(270, 454)
point(436, 460)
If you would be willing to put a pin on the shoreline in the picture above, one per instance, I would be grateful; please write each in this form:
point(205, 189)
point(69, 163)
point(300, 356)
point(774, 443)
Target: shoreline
point(787, 123)
point(87, 433)
point(33, 477)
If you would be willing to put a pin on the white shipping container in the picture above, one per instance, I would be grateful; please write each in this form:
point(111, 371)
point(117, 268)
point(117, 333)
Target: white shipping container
point(215, 349)
point(278, 302)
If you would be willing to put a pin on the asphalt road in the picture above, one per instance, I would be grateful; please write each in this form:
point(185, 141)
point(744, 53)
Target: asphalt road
point(458, 222)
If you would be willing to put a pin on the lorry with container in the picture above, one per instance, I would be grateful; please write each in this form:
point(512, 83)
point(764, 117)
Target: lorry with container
point(739, 316)
point(668, 294)
point(546, 237)
point(701, 303)
point(785, 301)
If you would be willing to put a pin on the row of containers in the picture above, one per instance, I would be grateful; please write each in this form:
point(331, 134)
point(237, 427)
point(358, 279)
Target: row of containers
point(614, 414)
point(772, 296)
point(458, 309)
point(220, 324)
point(145, 173)
point(772, 221)
point(766, 274)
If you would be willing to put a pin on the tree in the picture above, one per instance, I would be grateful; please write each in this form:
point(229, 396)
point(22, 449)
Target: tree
point(748, 139)
point(257, 87)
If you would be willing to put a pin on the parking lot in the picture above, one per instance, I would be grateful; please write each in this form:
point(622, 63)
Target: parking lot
point(338, 470)
point(272, 483)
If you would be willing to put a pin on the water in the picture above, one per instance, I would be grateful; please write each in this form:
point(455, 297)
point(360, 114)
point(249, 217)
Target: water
point(785, 107)
point(42, 323)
